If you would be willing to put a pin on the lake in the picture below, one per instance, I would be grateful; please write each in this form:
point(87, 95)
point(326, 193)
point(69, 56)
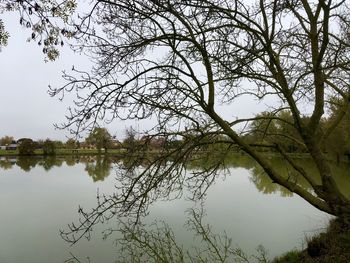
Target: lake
point(41, 196)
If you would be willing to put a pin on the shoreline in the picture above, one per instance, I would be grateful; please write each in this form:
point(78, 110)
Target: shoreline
point(63, 152)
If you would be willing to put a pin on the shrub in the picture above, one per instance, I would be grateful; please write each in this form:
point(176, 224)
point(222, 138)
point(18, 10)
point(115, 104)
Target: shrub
point(26, 147)
point(49, 147)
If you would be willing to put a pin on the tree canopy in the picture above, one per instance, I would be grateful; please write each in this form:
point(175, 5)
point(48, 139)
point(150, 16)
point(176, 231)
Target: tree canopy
point(26, 146)
point(100, 138)
point(49, 147)
point(338, 141)
point(177, 62)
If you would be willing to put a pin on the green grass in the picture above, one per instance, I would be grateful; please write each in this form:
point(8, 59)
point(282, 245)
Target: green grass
point(7, 152)
point(293, 256)
point(333, 246)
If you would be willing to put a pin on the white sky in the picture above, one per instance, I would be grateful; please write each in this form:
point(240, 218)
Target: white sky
point(26, 109)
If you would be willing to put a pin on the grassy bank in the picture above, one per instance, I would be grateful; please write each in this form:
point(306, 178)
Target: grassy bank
point(332, 246)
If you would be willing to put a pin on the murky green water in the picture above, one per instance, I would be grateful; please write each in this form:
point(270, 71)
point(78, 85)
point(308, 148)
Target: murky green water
point(38, 198)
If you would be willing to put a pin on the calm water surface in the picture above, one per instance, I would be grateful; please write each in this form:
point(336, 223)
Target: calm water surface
point(38, 198)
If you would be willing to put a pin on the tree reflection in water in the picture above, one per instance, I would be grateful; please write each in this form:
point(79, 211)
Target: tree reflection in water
point(27, 163)
point(158, 243)
point(7, 163)
point(50, 161)
point(265, 185)
point(100, 167)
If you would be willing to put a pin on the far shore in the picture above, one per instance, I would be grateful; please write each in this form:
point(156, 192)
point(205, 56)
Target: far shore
point(121, 152)
point(66, 152)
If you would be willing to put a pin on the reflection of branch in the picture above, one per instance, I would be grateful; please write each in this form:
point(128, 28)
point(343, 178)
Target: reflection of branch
point(157, 243)
point(73, 259)
point(144, 245)
point(157, 60)
point(218, 248)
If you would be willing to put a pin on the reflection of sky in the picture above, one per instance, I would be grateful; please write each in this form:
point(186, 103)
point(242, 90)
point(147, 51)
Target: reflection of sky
point(36, 204)
point(236, 207)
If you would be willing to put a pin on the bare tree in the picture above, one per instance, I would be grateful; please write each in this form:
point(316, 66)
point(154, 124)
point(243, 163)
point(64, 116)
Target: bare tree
point(175, 62)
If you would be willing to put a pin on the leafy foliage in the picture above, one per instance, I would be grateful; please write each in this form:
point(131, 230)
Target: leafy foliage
point(100, 169)
point(47, 22)
point(100, 138)
point(130, 142)
point(338, 140)
point(4, 35)
point(276, 128)
point(26, 147)
point(71, 144)
point(49, 147)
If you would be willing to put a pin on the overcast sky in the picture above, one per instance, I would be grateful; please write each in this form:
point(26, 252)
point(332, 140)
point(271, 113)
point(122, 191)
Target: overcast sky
point(26, 108)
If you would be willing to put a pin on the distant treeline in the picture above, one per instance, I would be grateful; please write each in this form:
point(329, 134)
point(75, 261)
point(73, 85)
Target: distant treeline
point(266, 130)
